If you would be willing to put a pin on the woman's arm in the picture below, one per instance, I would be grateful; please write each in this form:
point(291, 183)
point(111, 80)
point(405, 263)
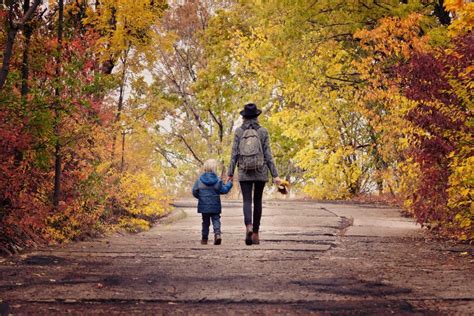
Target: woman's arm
point(234, 154)
point(267, 154)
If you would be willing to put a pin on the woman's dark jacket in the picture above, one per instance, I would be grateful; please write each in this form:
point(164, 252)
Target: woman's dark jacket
point(207, 189)
point(260, 174)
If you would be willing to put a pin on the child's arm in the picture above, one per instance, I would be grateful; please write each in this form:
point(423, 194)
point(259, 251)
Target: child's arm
point(196, 189)
point(225, 188)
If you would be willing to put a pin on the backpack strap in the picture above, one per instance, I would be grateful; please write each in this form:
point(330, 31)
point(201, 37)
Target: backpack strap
point(251, 126)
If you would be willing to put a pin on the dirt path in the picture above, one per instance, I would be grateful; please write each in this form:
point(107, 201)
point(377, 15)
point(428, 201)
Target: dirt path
point(318, 258)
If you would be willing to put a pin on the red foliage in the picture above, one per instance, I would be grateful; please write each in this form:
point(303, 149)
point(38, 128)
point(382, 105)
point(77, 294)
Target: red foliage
point(20, 183)
point(27, 143)
point(442, 115)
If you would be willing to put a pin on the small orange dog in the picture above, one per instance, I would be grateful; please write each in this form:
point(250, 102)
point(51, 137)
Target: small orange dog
point(283, 187)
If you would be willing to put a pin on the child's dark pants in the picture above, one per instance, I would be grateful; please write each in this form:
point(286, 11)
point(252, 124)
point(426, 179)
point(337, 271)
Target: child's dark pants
point(206, 221)
point(257, 187)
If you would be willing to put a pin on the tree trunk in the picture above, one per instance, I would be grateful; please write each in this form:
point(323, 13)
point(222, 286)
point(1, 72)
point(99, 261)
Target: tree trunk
point(57, 147)
point(119, 106)
point(24, 72)
point(11, 35)
point(7, 55)
point(26, 51)
point(122, 162)
point(441, 13)
point(57, 173)
point(109, 64)
point(116, 120)
point(379, 163)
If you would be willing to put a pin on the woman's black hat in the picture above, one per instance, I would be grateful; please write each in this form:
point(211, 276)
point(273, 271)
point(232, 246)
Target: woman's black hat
point(250, 110)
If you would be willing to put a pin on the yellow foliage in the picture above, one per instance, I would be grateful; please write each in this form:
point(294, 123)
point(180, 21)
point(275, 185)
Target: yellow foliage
point(73, 220)
point(141, 196)
point(454, 5)
point(408, 173)
point(461, 193)
point(463, 16)
point(134, 225)
point(394, 35)
point(124, 24)
point(308, 68)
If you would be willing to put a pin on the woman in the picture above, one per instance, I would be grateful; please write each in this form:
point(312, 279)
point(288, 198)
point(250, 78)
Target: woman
point(251, 152)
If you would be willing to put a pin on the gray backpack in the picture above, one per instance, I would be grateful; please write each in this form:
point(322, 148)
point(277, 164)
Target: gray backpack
point(250, 150)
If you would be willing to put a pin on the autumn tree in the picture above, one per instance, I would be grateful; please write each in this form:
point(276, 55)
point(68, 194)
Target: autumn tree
point(198, 91)
point(57, 121)
point(416, 93)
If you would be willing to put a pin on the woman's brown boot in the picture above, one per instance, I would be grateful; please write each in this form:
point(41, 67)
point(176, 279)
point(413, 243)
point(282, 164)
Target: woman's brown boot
point(248, 235)
point(255, 239)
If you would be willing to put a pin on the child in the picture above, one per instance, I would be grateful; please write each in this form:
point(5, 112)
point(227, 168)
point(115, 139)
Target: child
point(208, 189)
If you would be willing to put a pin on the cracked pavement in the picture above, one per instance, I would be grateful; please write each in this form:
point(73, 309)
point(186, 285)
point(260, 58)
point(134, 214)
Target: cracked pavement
point(314, 258)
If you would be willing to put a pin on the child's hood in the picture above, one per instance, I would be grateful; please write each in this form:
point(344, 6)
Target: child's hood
point(209, 178)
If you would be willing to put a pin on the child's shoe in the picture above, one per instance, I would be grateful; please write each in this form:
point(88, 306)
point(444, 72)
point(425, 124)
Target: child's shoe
point(248, 235)
point(255, 239)
point(204, 241)
point(217, 239)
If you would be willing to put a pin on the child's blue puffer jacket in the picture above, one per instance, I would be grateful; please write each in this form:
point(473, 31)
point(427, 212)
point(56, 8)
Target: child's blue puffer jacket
point(208, 189)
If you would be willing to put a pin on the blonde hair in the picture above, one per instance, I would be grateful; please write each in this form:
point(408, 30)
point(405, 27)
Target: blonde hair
point(211, 165)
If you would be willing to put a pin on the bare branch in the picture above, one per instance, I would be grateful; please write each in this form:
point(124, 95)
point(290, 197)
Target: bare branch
point(189, 148)
point(28, 15)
